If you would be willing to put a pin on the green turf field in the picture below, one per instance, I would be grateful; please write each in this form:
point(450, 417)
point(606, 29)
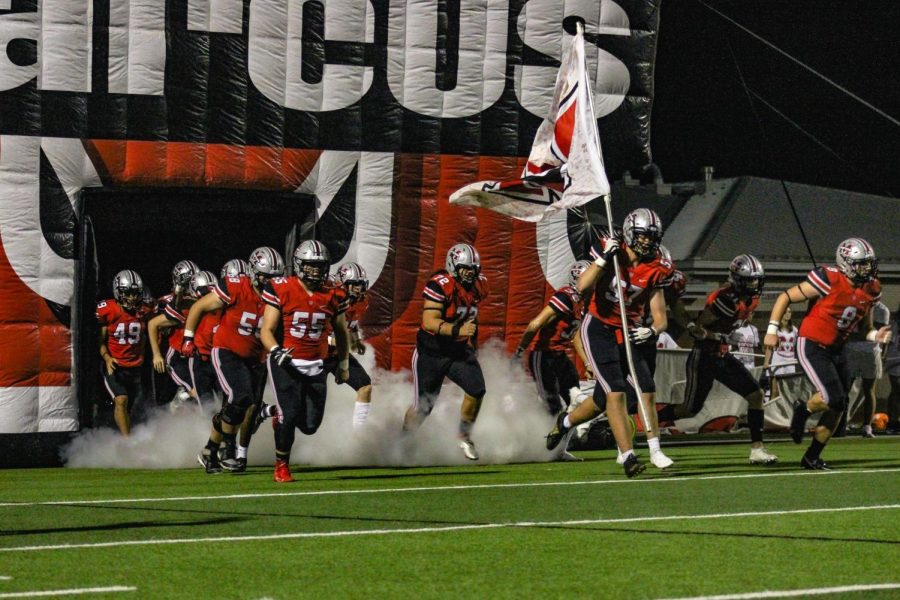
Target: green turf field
point(713, 525)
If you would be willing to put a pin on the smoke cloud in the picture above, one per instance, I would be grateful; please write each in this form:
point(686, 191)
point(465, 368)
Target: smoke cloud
point(510, 428)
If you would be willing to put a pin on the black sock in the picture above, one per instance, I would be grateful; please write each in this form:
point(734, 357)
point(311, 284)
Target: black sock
point(755, 419)
point(814, 450)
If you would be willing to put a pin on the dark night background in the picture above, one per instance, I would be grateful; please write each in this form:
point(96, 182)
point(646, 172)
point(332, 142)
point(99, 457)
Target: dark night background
point(702, 114)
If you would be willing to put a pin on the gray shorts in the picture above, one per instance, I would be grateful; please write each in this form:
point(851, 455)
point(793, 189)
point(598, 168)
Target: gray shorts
point(861, 360)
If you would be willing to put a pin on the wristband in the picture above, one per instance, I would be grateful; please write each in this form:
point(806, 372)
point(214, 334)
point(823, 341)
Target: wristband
point(872, 335)
point(274, 348)
point(455, 329)
point(772, 329)
point(188, 333)
point(600, 262)
point(344, 364)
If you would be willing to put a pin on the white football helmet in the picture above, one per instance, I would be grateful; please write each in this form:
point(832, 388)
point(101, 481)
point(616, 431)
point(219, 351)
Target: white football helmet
point(856, 259)
point(576, 270)
point(746, 274)
point(643, 231)
point(202, 283)
point(128, 289)
point(352, 275)
point(265, 263)
point(311, 262)
point(467, 257)
point(182, 273)
point(235, 267)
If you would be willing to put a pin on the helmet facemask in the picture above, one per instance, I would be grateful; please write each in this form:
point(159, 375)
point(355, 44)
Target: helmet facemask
point(130, 297)
point(862, 270)
point(645, 243)
point(313, 273)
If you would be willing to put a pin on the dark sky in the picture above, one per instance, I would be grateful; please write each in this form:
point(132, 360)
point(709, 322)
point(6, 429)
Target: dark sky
point(702, 114)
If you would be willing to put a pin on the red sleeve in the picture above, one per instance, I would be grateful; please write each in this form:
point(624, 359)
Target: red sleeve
point(270, 293)
point(104, 313)
point(438, 289)
point(561, 303)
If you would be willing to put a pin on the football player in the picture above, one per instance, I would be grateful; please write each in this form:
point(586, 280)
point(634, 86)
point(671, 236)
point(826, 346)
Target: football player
point(844, 295)
point(237, 356)
point(173, 309)
point(644, 274)
point(726, 309)
point(353, 279)
point(548, 337)
point(235, 268)
point(123, 333)
point(445, 342)
point(307, 310)
point(203, 376)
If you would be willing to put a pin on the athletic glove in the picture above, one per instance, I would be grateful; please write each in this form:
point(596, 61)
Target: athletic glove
point(641, 334)
point(187, 346)
point(764, 381)
point(520, 351)
point(281, 357)
point(609, 247)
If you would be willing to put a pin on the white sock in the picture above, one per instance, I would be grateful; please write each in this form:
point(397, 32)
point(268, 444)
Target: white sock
point(566, 422)
point(867, 428)
point(241, 451)
point(653, 443)
point(626, 454)
point(360, 413)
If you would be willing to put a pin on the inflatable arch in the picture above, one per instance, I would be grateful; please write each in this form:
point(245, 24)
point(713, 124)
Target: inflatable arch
point(360, 117)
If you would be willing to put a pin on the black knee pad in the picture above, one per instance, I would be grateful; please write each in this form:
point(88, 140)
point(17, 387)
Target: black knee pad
point(233, 414)
point(217, 422)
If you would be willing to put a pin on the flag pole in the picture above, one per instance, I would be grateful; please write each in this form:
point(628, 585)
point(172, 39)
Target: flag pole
point(607, 201)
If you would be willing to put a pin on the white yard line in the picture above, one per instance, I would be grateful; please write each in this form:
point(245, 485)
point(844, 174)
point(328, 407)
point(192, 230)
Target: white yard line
point(72, 592)
point(5, 577)
point(791, 593)
point(514, 524)
point(443, 488)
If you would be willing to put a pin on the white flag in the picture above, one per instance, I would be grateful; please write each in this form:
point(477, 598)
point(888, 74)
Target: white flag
point(565, 167)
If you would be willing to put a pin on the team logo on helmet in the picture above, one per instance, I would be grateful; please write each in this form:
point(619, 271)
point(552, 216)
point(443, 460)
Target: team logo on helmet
point(311, 263)
point(353, 277)
point(746, 274)
point(235, 268)
point(128, 289)
point(576, 270)
point(856, 259)
point(182, 273)
point(643, 231)
point(463, 263)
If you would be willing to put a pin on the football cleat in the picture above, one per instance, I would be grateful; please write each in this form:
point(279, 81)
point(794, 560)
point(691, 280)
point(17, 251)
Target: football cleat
point(814, 464)
point(468, 449)
point(558, 432)
point(761, 456)
point(660, 460)
point(867, 432)
point(282, 472)
point(633, 466)
point(209, 461)
point(240, 465)
point(798, 421)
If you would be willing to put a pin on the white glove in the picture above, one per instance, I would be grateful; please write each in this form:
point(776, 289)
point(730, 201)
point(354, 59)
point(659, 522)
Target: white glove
point(609, 246)
point(641, 334)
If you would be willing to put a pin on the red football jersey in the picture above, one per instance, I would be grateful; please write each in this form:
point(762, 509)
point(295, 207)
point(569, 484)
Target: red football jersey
point(306, 315)
point(731, 310)
point(203, 337)
point(126, 332)
point(840, 309)
point(238, 329)
point(178, 317)
point(636, 281)
point(569, 309)
point(459, 304)
point(355, 311)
